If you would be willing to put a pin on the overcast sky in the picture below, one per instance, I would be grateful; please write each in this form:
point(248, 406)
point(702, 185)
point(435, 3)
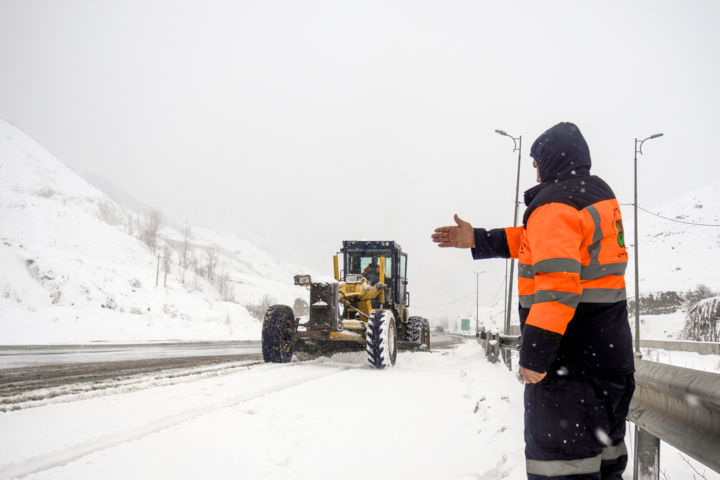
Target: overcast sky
point(300, 124)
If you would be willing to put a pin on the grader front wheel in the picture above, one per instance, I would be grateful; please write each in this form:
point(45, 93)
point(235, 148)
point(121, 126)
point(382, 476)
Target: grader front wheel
point(279, 334)
point(381, 339)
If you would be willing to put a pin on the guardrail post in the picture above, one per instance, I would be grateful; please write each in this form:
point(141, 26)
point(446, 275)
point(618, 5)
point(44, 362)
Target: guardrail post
point(647, 455)
point(493, 342)
point(492, 346)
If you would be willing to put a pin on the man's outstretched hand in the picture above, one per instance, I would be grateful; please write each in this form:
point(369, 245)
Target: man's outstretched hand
point(460, 236)
point(531, 377)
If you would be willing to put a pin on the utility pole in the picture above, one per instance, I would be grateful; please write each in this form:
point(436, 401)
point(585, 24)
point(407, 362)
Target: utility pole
point(637, 263)
point(157, 274)
point(477, 303)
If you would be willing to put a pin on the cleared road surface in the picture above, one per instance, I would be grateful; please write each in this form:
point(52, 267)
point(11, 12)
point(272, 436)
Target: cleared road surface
point(71, 369)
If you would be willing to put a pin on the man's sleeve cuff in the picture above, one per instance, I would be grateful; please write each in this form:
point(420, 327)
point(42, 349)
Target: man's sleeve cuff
point(539, 348)
point(490, 244)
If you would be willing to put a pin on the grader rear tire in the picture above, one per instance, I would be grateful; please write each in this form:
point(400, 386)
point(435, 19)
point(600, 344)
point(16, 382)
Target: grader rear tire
point(279, 334)
point(414, 329)
point(425, 339)
point(381, 339)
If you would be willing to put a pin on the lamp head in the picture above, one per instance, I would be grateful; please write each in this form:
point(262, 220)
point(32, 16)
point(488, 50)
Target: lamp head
point(656, 135)
point(501, 132)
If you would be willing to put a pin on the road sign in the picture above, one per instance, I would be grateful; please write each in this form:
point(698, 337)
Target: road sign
point(465, 325)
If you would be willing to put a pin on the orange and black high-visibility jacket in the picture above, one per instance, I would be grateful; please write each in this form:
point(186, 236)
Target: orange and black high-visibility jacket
point(571, 272)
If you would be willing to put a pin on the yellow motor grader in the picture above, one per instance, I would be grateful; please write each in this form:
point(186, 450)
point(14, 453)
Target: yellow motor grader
point(365, 307)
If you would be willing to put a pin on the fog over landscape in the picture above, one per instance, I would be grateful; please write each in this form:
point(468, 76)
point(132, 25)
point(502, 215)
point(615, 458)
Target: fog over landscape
point(299, 125)
point(168, 167)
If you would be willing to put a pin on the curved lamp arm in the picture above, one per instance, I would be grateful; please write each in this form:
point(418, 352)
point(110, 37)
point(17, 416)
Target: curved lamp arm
point(649, 138)
point(502, 132)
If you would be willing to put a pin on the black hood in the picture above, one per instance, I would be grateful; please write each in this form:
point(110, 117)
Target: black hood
point(561, 152)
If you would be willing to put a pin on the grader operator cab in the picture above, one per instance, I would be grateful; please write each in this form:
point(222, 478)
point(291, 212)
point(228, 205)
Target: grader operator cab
point(365, 307)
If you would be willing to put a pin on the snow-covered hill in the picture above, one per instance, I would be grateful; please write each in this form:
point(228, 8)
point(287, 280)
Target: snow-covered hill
point(73, 270)
point(677, 256)
point(674, 258)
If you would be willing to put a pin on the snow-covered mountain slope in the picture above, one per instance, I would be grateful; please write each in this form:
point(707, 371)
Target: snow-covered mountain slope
point(677, 256)
point(73, 270)
point(115, 193)
point(674, 258)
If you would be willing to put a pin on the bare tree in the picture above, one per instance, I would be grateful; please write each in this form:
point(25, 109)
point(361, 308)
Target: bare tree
point(152, 224)
point(258, 310)
point(137, 226)
point(225, 286)
point(300, 307)
point(129, 224)
point(211, 265)
point(167, 255)
point(187, 236)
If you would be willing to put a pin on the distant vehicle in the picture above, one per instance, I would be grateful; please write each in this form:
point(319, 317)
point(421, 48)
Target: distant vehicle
point(439, 329)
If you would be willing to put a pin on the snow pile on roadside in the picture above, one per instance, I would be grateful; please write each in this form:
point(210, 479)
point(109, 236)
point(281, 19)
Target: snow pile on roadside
point(73, 271)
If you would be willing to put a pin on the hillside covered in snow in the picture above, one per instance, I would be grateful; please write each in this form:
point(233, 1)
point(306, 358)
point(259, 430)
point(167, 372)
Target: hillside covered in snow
point(677, 254)
point(76, 266)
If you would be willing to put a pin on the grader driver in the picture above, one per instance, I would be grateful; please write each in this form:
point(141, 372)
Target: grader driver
point(365, 307)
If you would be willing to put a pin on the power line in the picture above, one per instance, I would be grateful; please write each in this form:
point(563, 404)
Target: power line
point(671, 219)
point(448, 303)
point(463, 298)
point(498, 293)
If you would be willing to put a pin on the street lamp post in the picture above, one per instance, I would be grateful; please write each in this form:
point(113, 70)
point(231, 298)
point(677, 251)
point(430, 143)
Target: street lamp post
point(477, 303)
point(638, 149)
point(517, 145)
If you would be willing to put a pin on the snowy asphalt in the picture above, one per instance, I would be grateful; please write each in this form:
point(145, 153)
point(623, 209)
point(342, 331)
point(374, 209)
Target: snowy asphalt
point(29, 374)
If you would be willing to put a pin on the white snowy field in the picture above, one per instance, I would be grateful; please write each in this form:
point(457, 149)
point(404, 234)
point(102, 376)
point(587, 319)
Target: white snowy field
point(446, 414)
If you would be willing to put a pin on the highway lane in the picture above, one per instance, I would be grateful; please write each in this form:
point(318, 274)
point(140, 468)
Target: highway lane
point(31, 368)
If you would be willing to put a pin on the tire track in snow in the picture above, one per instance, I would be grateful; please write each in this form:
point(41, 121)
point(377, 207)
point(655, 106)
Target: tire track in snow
point(122, 383)
point(63, 457)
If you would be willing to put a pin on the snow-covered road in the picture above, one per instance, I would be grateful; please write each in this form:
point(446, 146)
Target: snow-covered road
point(15, 356)
point(444, 414)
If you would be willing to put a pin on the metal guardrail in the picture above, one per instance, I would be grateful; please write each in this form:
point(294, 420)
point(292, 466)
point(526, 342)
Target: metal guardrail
point(677, 405)
point(493, 341)
point(703, 348)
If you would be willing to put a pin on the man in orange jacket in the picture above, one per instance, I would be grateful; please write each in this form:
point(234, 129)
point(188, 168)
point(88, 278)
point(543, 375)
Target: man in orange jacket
point(576, 355)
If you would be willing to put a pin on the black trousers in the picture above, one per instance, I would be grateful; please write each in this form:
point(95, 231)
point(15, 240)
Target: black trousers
point(576, 430)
